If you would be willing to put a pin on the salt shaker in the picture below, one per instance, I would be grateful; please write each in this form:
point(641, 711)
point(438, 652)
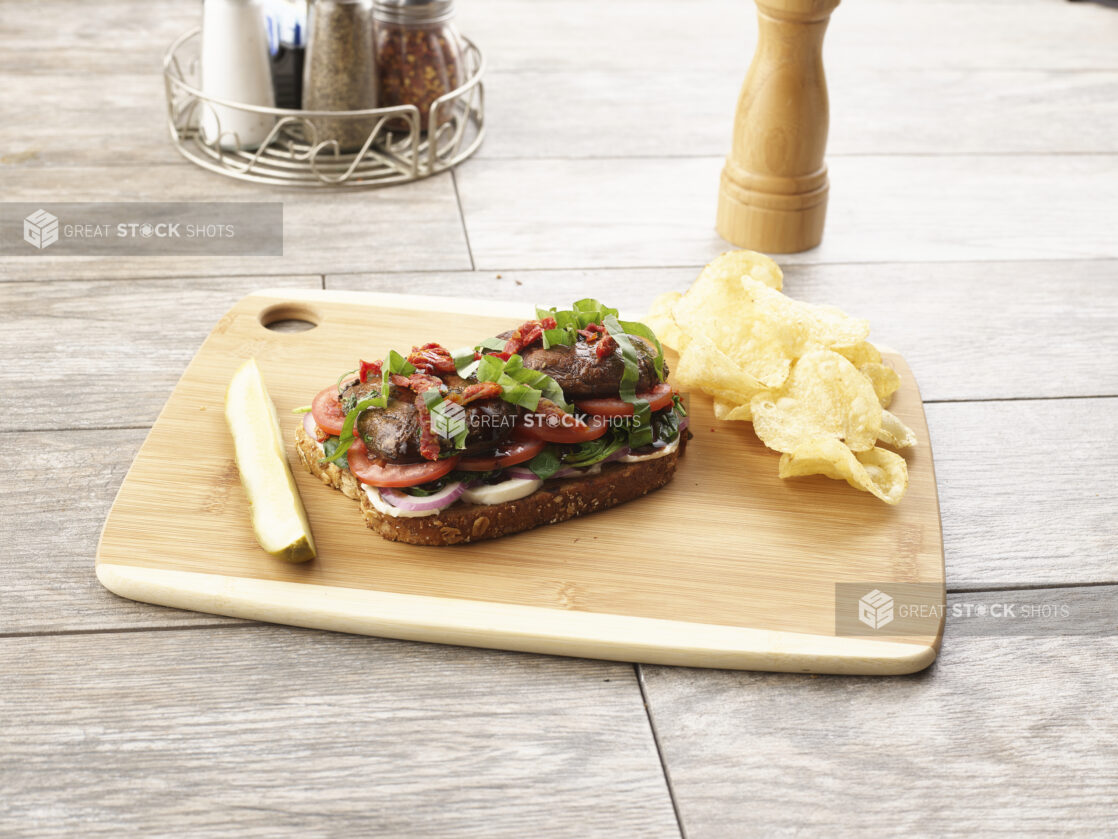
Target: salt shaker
point(340, 69)
point(235, 67)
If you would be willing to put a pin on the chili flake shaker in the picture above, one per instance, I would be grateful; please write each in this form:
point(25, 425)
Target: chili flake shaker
point(420, 55)
point(340, 69)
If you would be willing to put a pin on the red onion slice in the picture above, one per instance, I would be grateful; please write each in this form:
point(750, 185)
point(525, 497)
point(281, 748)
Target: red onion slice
point(310, 426)
point(443, 498)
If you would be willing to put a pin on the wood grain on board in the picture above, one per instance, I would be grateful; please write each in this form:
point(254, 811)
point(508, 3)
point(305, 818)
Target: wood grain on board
point(727, 544)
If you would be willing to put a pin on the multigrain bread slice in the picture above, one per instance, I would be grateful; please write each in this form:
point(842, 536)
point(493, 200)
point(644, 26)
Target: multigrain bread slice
point(557, 500)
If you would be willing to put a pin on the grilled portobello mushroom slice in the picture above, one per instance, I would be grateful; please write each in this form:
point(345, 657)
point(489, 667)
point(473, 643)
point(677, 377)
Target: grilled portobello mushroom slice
point(577, 369)
point(393, 432)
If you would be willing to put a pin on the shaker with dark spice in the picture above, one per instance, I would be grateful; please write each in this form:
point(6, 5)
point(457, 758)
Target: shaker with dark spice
point(420, 55)
point(340, 71)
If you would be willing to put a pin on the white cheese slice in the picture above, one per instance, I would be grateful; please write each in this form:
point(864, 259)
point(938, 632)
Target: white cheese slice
point(509, 490)
point(383, 507)
point(664, 452)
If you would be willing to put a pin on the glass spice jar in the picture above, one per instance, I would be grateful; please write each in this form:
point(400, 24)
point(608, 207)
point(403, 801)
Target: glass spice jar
point(339, 71)
point(420, 55)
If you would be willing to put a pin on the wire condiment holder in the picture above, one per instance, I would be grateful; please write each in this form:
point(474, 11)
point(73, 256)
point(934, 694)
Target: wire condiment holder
point(397, 149)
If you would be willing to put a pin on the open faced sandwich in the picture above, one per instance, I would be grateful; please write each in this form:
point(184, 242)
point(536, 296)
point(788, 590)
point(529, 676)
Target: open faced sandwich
point(564, 415)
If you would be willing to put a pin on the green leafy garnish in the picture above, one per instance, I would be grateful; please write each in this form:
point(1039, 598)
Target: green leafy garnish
point(341, 378)
point(633, 327)
point(306, 409)
point(329, 447)
point(553, 458)
point(393, 363)
point(519, 385)
point(595, 451)
point(640, 431)
point(346, 438)
point(546, 463)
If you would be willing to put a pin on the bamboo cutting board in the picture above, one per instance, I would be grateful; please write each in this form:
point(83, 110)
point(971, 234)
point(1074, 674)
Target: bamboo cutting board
point(727, 566)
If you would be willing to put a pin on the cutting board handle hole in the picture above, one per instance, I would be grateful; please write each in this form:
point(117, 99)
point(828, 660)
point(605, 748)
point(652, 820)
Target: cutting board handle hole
point(289, 317)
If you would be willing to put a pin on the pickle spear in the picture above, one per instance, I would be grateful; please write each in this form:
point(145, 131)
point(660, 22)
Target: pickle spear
point(278, 517)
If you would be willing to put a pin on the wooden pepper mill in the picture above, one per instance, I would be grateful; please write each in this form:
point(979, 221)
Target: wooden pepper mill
point(773, 195)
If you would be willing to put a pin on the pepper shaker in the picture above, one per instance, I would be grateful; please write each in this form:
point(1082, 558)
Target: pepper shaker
point(340, 69)
point(773, 194)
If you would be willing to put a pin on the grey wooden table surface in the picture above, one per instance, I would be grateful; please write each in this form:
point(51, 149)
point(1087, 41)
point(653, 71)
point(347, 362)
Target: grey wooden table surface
point(973, 219)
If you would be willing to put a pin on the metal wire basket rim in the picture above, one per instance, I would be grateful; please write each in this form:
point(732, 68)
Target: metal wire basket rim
point(170, 61)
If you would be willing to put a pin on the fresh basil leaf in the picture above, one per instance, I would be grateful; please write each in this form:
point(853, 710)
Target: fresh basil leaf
point(640, 431)
point(519, 385)
point(463, 358)
point(489, 369)
point(342, 378)
point(666, 425)
point(519, 394)
point(496, 344)
point(633, 327)
point(556, 337)
point(595, 451)
point(329, 447)
point(546, 463)
point(346, 437)
point(588, 311)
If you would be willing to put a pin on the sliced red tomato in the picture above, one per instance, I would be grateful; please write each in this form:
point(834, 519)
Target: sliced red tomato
point(395, 474)
point(507, 454)
point(327, 411)
point(658, 398)
point(568, 430)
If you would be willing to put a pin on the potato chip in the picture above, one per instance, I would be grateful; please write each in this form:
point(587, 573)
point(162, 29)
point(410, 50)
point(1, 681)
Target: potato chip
point(727, 312)
point(859, 354)
point(895, 433)
point(737, 264)
point(831, 327)
point(730, 412)
point(661, 321)
point(884, 379)
point(880, 471)
point(806, 376)
point(702, 366)
point(825, 397)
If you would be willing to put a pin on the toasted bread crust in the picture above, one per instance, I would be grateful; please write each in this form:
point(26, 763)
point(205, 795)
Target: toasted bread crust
point(556, 501)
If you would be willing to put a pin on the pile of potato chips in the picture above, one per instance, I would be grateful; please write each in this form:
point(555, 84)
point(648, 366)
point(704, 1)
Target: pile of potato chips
point(806, 377)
